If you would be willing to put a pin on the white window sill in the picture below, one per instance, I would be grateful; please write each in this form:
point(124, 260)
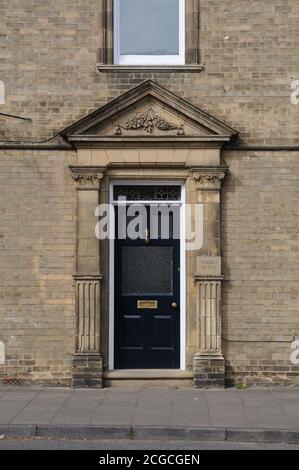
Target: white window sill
point(150, 68)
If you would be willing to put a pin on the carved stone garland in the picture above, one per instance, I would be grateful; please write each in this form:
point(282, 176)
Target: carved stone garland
point(148, 121)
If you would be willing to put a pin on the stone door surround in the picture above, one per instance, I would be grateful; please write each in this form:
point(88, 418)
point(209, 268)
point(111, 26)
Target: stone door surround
point(150, 133)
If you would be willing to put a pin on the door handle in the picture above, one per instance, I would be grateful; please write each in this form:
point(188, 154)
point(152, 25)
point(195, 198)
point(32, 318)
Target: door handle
point(147, 236)
point(174, 305)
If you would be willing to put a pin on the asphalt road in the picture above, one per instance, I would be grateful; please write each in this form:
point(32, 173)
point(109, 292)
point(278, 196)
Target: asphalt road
point(65, 444)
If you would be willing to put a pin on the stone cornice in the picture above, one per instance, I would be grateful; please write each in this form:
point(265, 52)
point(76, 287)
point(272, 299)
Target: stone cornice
point(209, 178)
point(242, 149)
point(37, 147)
point(147, 141)
point(87, 175)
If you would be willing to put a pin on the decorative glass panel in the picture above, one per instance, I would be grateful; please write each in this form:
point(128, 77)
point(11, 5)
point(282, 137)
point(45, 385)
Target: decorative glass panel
point(146, 270)
point(147, 193)
point(149, 27)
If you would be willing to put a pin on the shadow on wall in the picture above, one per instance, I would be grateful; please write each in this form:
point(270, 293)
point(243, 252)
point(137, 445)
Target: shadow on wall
point(2, 353)
point(2, 93)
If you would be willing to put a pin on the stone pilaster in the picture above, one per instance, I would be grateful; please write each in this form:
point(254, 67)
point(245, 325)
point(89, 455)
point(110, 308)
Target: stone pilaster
point(87, 360)
point(208, 363)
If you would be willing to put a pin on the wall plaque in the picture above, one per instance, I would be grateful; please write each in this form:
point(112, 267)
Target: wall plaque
point(209, 265)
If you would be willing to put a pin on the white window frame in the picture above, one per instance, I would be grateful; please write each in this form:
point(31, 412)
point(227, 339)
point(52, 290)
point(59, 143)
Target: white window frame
point(121, 59)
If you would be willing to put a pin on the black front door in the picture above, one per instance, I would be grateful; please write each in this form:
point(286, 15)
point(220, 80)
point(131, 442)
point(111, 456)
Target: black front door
point(147, 301)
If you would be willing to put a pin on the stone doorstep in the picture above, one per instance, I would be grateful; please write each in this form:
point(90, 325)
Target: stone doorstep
point(148, 378)
point(133, 374)
point(287, 436)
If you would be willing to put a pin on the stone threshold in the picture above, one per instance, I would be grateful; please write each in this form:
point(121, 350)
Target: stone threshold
point(148, 378)
point(143, 374)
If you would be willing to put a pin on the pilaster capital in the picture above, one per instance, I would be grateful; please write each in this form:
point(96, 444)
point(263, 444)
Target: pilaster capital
point(209, 178)
point(87, 177)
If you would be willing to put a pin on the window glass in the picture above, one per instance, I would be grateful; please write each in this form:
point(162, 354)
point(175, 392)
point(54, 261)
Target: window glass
point(149, 27)
point(147, 193)
point(146, 270)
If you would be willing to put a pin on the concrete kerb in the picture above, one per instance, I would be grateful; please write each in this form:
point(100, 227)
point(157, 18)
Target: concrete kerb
point(18, 430)
point(285, 436)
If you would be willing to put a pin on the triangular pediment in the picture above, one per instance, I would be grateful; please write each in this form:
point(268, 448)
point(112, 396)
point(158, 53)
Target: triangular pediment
point(148, 113)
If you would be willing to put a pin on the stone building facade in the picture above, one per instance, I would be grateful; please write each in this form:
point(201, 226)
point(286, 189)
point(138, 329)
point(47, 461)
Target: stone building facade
point(224, 127)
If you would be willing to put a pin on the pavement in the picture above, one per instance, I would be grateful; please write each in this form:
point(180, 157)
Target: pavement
point(253, 415)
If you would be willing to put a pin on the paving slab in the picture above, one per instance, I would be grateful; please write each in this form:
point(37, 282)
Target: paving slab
point(37, 414)
point(260, 409)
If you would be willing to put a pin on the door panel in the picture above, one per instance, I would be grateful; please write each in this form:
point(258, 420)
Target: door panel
point(132, 331)
point(162, 331)
point(147, 270)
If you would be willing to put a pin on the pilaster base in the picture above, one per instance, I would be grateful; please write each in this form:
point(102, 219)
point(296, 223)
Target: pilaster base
point(87, 370)
point(209, 371)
